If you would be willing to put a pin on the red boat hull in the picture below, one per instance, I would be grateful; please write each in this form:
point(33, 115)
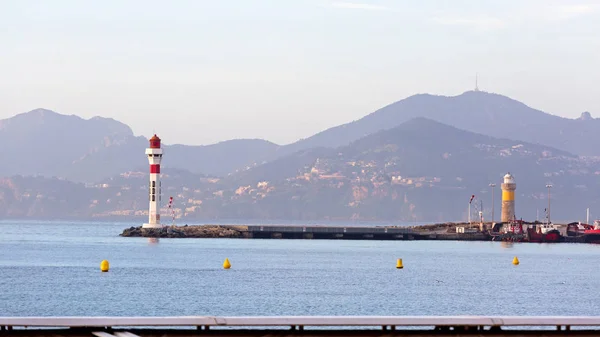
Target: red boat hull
point(587, 234)
point(551, 236)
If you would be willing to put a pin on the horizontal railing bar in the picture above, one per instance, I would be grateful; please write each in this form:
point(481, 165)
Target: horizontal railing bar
point(273, 321)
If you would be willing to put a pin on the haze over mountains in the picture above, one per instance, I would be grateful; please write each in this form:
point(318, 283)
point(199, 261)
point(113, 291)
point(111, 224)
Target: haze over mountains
point(419, 158)
point(43, 142)
point(475, 111)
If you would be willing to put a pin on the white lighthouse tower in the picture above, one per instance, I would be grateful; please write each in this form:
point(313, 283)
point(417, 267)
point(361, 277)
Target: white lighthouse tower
point(154, 153)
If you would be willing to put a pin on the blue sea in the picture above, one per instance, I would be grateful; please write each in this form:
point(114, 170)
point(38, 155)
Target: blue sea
point(53, 269)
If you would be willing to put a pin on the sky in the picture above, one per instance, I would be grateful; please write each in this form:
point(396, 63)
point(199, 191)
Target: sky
point(200, 72)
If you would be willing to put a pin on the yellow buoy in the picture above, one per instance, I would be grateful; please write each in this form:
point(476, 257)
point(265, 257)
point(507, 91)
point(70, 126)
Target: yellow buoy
point(399, 264)
point(104, 266)
point(226, 264)
point(516, 261)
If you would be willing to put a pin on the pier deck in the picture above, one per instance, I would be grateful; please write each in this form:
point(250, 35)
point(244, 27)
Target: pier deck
point(357, 233)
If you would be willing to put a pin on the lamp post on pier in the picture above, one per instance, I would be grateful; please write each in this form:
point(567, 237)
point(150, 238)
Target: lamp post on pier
point(548, 186)
point(492, 185)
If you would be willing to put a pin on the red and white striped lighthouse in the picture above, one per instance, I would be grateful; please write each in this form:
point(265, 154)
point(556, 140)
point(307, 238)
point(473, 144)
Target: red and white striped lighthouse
point(154, 153)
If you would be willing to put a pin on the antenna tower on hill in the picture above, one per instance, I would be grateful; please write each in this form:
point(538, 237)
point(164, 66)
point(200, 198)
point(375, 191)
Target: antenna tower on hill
point(476, 84)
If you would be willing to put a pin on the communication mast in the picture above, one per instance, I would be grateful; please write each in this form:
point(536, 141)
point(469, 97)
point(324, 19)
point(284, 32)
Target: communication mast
point(172, 211)
point(478, 204)
point(469, 210)
point(478, 208)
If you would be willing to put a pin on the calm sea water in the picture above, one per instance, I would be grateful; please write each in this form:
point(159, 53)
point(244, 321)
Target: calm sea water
point(52, 268)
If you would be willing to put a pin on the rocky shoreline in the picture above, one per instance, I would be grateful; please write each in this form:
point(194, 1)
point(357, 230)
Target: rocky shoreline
point(202, 231)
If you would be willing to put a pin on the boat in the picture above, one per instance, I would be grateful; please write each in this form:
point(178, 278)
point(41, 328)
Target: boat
point(511, 231)
point(544, 232)
point(581, 232)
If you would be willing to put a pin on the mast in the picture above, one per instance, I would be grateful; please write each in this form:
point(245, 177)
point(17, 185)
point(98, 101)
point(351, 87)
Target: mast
point(587, 221)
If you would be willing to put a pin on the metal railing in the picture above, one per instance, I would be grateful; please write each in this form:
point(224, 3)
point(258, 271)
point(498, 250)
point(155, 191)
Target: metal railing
point(299, 322)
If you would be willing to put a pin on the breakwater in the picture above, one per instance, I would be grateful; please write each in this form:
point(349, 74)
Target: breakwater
point(200, 231)
point(447, 231)
point(444, 231)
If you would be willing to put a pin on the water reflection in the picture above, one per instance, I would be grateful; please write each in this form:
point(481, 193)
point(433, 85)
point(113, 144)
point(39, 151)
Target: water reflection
point(153, 241)
point(507, 244)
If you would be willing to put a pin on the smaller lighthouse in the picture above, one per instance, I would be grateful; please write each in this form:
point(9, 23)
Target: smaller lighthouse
point(508, 198)
point(154, 153)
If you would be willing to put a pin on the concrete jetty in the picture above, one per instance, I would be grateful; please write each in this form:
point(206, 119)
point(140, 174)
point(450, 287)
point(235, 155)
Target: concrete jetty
point(361, 233)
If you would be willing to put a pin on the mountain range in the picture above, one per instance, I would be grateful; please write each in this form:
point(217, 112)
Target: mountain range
point(419, 158)
point(43, 142)
point(475, 111)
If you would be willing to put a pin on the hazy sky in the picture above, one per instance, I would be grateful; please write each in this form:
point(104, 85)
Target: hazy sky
point(199, 72)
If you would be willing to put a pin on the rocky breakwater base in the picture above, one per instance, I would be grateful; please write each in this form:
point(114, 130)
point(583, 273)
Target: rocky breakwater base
point(203, 231)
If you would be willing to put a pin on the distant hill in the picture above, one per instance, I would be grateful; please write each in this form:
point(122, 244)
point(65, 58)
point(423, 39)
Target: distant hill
point(281, 168)
point(426, 169)
point(121, 196)
point(221, 158)
point(421, 170)
point(425, 147)
point(475, 111)
point(43, 142)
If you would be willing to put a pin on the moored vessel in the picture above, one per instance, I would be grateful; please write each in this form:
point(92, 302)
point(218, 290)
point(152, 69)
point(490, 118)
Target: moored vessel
point(579, 232)
point(511, 231)
point(544, 232)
